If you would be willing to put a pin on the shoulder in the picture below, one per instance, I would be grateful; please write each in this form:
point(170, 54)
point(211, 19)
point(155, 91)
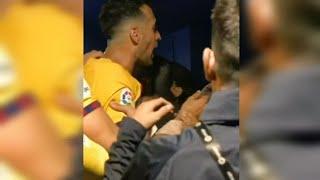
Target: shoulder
point(190, 152)
point(102, 64)
point(105, 69)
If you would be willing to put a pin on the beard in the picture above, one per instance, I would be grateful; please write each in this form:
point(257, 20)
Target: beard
point(145, 61)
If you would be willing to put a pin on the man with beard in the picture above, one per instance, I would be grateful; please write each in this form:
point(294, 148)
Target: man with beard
point(132, 36)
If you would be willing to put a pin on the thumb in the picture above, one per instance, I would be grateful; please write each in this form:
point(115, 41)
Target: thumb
point(196, 95)
point(164, 110)
point(121, 108)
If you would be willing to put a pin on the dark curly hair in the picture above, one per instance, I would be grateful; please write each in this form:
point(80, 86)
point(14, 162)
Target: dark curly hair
point(226, 38)
point(113, 12)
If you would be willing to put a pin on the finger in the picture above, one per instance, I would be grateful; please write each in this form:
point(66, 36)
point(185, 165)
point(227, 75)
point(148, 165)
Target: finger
point(121, 108)
point(163, 111)
point(157, 102)
point(196, 95)
point(205, 98)
point(97, 54)
point(92, 54)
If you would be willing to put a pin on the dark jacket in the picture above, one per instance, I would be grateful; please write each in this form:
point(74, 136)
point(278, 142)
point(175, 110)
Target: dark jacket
point(183, 156)
point(284, 126)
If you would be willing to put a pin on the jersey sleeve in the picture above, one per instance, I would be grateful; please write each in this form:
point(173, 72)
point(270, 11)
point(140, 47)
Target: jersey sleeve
point(123, 96)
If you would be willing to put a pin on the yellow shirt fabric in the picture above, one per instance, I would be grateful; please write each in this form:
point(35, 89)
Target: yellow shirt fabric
point(87, 99)
point(108, 81)
point(9, 86)
point(9, 90)
point(93, 153)
point(46, 45)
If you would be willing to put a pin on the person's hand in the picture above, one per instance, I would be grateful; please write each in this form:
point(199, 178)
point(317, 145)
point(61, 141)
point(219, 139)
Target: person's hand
point(147, 113)
point(192, 108)
point(92, 54)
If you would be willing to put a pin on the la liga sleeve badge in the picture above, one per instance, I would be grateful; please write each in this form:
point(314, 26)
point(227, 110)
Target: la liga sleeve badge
point(126, 96)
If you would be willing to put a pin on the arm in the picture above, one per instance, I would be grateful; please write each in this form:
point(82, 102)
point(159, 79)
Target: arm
point(98, 126)
point(132, 133)
point(187, 116)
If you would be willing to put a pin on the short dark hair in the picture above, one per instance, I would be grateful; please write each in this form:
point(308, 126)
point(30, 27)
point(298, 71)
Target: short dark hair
point(226, 38)
point(113, 12)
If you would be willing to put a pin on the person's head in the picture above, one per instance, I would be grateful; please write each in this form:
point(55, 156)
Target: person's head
point(222, 64)
point(131, 22)
point(298, 26)
point(261, 23)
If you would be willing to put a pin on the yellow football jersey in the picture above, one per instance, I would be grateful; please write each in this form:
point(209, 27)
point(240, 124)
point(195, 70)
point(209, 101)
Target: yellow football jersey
point(108, 81)
point(93, 153)
point(9, 86)
point(87, 99)
point(9, 90)
point(46, 46)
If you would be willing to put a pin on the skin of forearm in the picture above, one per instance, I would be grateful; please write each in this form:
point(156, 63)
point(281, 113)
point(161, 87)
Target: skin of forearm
point(33, 140)
point(183, 120)
point(173, 127)
point(100, 128)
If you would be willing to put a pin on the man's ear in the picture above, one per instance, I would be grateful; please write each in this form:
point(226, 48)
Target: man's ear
point(135, 35)
point(209, 63)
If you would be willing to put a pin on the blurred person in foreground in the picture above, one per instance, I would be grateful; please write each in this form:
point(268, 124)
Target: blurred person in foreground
point(48, 57)
point(283, 128)
point(184, 155)
point(26, 136)
point(39, 61)
point(130, 26)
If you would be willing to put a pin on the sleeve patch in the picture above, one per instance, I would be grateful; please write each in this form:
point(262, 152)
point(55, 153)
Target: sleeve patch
point(126, 96)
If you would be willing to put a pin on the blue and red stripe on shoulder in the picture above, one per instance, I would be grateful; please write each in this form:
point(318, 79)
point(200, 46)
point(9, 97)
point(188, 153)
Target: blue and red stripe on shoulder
point(14, 107)
point(91, 107)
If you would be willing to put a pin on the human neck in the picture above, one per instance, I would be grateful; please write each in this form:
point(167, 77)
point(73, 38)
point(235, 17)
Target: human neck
point(218, 85)
point(277, 59)
point(121, 54)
